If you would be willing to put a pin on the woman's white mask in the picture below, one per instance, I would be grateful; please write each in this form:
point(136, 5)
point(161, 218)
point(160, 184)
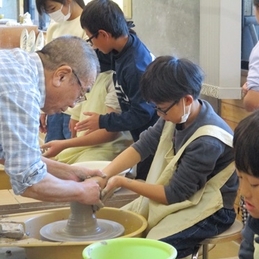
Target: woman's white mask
point(185, 115)
point(58, 16)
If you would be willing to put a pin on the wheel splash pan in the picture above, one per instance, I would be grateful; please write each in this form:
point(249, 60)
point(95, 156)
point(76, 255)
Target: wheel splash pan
point(36, 248)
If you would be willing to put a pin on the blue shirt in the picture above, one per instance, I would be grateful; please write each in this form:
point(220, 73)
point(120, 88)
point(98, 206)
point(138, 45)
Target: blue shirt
point(129, 65)
point(22, 94)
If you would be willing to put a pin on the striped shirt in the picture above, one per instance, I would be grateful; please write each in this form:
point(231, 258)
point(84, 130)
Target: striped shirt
point(22, 94)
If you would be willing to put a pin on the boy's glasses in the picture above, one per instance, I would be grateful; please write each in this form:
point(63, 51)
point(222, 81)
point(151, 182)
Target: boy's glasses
point(90, 39)
point(164, 111)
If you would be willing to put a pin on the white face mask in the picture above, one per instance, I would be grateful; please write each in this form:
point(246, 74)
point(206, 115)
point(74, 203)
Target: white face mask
point(186, 115)
point(58, 16)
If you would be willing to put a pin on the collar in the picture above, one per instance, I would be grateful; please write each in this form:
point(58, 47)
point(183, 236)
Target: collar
point(41, 83)
point(128, 44)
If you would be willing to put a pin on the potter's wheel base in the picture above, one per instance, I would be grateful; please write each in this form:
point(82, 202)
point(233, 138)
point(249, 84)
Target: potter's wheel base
point(106, 229)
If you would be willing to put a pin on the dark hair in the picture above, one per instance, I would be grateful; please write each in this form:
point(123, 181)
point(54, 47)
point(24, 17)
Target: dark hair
point(246, 145)
point(104, 15)
point(41, 4)
point(131, 25)
point(256, 3)
point(168, 78)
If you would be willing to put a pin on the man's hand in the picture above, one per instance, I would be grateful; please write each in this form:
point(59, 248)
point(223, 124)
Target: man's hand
point(90, 124)
point(82, 173)
point(92, 193)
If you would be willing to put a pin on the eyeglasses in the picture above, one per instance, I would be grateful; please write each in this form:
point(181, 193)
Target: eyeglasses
point(90, 39)
point(82, 96)
point(164, 111)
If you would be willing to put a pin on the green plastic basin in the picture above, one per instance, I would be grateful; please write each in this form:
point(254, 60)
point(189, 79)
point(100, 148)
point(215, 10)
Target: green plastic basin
point(129, 248)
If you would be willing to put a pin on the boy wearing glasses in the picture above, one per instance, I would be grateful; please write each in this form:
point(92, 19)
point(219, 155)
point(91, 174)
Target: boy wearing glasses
point(191, 186)
point(107, 29)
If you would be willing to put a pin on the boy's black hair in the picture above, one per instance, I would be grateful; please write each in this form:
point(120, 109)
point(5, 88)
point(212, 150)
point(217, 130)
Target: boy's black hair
point(169, 79)
point(104, 15)
point(246, 145)
point(41, 4)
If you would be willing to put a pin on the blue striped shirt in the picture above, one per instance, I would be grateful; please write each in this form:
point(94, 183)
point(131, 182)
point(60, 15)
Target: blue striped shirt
point(22, 95)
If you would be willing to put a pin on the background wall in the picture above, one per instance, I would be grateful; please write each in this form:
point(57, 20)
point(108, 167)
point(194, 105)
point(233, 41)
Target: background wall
point(165, 26)
point(168, 26)
point(10, 9)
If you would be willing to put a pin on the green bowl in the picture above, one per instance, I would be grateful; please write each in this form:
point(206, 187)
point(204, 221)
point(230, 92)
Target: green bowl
point(129, 248)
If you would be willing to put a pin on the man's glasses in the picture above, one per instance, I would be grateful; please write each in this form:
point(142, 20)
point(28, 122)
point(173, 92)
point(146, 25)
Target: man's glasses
point(164, 111)
point(90, 39)
point(82, 96)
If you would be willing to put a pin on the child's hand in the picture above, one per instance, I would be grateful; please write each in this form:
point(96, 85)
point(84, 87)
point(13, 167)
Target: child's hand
point(90, 124)
point(112, 184)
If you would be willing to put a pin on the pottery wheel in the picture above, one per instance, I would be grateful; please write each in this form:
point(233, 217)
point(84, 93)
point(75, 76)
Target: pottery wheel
point(81, 225)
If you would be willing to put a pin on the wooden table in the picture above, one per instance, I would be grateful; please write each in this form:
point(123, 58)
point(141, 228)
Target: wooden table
point(11, 203)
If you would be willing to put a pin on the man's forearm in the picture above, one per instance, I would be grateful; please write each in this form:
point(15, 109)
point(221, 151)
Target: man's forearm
point(60, 170)
point(53, 189)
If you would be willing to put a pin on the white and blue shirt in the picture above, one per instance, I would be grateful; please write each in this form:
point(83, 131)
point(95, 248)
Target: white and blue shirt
point(22, 95)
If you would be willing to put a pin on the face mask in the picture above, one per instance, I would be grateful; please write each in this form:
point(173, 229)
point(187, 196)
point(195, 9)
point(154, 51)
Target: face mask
point(186, 115)
point(58, 16)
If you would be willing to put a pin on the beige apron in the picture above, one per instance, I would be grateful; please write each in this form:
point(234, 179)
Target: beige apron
point(256, 246)
point(162, 219)
point(105, 151)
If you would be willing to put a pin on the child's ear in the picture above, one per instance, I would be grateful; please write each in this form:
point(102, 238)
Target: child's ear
point(104, 34)
point(188, 99)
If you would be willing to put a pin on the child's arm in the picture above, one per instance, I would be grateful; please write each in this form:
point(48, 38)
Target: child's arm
point(151, 191)
point(251, 100)
point(95, 138)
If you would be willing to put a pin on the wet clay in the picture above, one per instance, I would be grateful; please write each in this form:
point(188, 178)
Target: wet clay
point(81, 225)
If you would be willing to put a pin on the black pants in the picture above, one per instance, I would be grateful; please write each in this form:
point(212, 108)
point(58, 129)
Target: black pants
point(186, 240)
point(143, 168)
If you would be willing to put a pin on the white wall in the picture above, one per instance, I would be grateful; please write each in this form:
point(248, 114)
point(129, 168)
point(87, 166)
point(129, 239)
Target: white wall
point(168, 26)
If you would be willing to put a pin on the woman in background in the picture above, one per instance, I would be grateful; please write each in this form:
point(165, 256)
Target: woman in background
point(65, 20)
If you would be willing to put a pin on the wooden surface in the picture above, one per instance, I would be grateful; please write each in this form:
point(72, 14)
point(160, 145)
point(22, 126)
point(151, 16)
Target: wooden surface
point(10, 35)
point(232, 111)
point(4, 179)
point(11, 203)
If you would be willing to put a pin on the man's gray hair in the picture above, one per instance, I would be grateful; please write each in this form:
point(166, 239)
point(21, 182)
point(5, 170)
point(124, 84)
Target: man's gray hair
point(74, 52)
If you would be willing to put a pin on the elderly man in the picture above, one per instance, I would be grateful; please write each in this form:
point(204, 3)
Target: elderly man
point(50, 80)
